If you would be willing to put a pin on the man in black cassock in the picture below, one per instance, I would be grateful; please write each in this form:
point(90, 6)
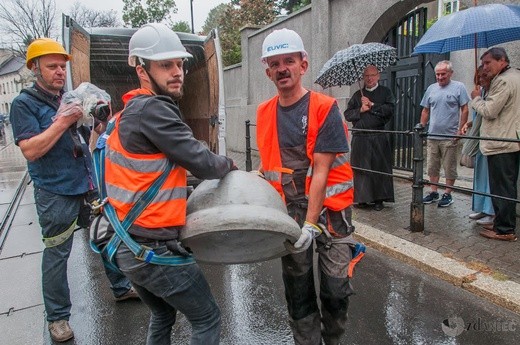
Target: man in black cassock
point(371, 108)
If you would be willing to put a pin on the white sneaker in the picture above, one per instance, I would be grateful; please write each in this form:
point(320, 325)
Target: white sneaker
point(60, 331)
point(477, 215)
point(487, 220)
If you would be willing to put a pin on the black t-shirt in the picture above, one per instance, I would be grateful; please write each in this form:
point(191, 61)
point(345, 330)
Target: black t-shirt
point(292, 124)
point(292, 128)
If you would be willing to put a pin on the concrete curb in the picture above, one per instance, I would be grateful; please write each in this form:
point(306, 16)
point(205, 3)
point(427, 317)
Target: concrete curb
point(503, 293)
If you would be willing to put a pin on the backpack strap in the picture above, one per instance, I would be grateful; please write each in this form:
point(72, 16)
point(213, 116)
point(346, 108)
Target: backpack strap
point(36, 94)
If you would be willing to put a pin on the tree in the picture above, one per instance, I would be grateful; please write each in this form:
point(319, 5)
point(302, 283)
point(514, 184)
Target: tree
point(238, 14)
point(24, 20)
point(155, 11)
point(213, 19)
point(290, 6)
point(90, 18)
point(181, 26)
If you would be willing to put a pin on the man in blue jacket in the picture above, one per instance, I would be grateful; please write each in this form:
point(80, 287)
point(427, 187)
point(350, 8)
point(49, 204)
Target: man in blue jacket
point(59, 164)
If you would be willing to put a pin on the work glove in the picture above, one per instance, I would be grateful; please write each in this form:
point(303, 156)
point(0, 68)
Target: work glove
point(309, 232)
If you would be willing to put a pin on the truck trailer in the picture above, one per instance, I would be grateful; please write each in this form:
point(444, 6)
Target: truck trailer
point(100, 56)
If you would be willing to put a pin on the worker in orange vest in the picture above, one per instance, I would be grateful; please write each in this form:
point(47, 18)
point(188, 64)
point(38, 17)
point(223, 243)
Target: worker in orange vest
point(302, 140)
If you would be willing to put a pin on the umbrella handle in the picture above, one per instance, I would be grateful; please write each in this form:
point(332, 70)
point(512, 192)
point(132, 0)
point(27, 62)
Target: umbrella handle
point(476, 41)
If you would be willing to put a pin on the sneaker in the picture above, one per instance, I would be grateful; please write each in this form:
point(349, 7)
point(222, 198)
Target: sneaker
point(445, 201)
point(60, 331)
point(433, 196)
point(487, 220)
point(477, 215)
point(130, 294)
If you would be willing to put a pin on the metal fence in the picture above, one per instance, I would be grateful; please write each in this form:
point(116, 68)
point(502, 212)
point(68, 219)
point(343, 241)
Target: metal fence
point(418, 136)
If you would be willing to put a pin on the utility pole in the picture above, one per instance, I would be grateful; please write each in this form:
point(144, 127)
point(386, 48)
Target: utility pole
point(191, 10)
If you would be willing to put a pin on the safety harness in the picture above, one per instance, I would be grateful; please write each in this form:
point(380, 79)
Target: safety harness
point(141, 252)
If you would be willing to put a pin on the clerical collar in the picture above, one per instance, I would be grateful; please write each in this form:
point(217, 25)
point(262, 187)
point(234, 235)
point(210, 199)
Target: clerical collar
point(372, 88)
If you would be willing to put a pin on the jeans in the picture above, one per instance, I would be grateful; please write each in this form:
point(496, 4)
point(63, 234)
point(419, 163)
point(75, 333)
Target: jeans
point(166, 289)
point(56, 213)
point(118, 282)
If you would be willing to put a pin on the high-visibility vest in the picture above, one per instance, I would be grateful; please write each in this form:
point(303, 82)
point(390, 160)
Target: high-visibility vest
point(128, 175)
point(339, 192)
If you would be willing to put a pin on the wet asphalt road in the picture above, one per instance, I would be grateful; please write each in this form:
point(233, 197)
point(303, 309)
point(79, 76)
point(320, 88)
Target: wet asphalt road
point(394, 302)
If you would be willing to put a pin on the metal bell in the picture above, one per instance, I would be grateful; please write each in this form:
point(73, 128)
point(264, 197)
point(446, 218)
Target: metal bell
point(237, 219)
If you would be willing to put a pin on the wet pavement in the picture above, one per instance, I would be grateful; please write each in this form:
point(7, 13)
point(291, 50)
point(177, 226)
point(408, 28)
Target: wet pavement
point(448, 230)
point(395, 303)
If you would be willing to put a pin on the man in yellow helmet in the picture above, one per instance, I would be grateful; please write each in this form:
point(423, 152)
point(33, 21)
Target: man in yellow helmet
point(59, 164)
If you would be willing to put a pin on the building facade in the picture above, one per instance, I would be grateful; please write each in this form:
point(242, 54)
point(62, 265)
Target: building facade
point(14, 76)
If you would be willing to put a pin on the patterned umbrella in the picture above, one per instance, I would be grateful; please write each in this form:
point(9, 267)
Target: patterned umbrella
point(476, 27)
point(346, 66)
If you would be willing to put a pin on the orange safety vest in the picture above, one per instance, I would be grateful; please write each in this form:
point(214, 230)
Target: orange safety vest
point(128, 175)
point(339, 193)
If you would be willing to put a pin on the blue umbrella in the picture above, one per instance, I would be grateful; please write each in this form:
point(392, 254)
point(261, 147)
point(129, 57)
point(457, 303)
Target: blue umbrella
point(476, 27)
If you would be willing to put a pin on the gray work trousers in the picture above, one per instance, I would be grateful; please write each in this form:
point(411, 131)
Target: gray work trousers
point(308, 323)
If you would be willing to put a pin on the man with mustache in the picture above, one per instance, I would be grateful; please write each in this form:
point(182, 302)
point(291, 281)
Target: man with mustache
point(302, 140)
point(60, 167)
point(149, 135)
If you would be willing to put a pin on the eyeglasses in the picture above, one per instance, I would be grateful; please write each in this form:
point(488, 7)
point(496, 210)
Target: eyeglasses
point(369, 75)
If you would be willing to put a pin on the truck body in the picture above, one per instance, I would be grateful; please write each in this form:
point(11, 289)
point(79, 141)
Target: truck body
point(100, 56)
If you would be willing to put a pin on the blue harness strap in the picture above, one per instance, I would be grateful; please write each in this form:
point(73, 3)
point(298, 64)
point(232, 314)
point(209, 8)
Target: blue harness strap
point(121, 228)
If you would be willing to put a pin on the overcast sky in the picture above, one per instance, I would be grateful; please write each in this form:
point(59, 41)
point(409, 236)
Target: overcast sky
point(201, 9)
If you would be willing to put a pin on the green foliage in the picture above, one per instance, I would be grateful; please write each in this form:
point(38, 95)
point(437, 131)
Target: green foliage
point(154, 11)
point(213, 19)
point(430, 22)
point(290, 6)
point(181, 26)
point(238, 14)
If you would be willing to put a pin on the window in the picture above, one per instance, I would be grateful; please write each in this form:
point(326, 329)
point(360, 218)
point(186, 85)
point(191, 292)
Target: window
point(446, 7)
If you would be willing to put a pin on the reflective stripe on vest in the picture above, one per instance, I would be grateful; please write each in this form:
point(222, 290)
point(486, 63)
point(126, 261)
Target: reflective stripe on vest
point(338, 195)
point(340, 160)
point(276, 174)
point(139, 165)
point(129, 175)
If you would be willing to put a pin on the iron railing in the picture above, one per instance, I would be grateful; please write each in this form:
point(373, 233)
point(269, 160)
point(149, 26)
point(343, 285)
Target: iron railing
point(418, 135)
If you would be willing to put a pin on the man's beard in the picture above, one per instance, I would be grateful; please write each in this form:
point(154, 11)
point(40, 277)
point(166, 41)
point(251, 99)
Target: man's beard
point(163, 91)
point(175, 95)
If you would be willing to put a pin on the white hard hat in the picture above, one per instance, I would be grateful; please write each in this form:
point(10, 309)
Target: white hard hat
point(155, 42)
point(280, 42)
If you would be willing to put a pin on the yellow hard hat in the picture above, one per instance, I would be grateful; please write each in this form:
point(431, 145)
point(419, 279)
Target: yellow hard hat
point(44, 46)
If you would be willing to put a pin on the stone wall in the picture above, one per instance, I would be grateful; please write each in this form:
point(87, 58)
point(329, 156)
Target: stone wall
point(325, 26)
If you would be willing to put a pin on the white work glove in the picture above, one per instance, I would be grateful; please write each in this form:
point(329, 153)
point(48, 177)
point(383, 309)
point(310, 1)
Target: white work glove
point(309, 232)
